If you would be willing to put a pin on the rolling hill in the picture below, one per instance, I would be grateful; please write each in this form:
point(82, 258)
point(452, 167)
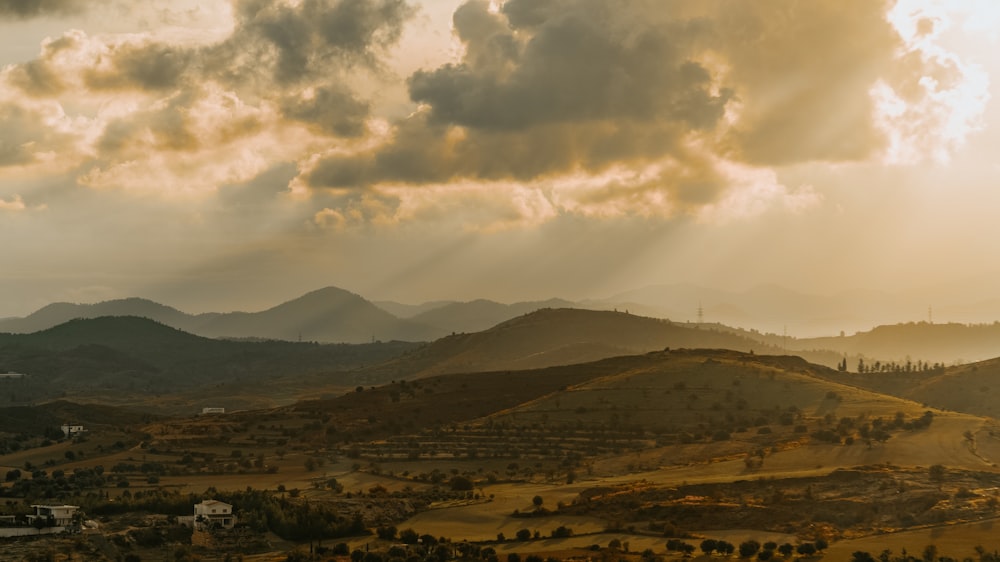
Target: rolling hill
point(127, 360)
point(481, 314)
point(551, 337)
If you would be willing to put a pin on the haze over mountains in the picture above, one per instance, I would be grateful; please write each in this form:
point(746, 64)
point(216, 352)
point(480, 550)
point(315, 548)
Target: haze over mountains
point(333, 315)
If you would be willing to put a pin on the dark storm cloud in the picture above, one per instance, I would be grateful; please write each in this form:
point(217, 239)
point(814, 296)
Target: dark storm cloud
point(549, 87)
point(26, 9)
point(315, 40)
point(546, 88)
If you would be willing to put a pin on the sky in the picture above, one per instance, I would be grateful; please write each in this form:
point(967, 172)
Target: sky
point(231, 155)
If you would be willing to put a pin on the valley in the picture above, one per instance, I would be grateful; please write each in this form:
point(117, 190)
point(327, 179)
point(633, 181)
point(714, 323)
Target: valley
point(561, 433)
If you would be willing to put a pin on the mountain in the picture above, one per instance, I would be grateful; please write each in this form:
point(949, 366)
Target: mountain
point(329, 315)
point(401, 310)
point(481, 314)
point(774, 308)
point(130, 360)
point(59, 313)
point(551, 337)
point(918, 341)
point(326, 315)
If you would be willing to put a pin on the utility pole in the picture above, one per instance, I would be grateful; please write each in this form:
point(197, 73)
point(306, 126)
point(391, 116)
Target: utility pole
point(701, 313)
point(930, 315)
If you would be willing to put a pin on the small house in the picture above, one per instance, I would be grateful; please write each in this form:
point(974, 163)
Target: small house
point(59, 515)
point(212, 513)
point(71, 430)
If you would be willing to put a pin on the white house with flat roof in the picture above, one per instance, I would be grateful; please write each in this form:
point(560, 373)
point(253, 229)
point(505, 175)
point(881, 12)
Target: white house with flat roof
point(213, 513)
point(61, 515)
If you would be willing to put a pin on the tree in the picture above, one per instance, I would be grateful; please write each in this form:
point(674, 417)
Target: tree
point(708, 546)
point(461, 484)
point(749, 548)
point(862, 556)
point(408, 536)
point(821, 544)
point(562, 532)
point(523, 534)
point(930, 553)
point(806, 549)
point(386, 533)
point(786, 549)
point(537, 501)
point(937, 473)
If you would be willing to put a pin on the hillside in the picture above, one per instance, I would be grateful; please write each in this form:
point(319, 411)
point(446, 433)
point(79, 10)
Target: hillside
point(551, 337)
point(129, 360)
point(970, 388)
point(33, 419)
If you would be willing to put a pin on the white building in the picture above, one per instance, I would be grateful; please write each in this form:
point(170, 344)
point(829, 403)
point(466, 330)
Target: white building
point(71, 430)
point(62, 515)
point(213, 410)
point(213, 513)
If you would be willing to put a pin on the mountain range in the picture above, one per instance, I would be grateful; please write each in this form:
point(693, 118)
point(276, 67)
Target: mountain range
point(333, 315)
point(326, 315)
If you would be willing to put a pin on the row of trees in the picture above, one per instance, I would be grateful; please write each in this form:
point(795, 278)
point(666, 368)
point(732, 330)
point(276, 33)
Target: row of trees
point(748, 549)
point(892, 366)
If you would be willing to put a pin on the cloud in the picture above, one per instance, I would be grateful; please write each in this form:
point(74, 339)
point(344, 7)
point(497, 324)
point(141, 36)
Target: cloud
point(681, 93)
point(651, 108)
point(31, 136)
point(182, 117)
point(26, 9)
point(16, 203)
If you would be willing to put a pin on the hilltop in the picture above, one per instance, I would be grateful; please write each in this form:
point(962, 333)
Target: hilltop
point(481, 314)
point(550, 337)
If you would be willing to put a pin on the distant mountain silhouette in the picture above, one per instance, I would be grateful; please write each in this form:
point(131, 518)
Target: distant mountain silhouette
point(946, 343)
point(59, 313)
point(551, 337)
point(401, 310)
point(481, 314)
point(327, 315)
point(772, 307)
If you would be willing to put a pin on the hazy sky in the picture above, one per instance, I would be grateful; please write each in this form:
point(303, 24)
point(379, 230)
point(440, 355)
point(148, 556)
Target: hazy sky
point(231, 155)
